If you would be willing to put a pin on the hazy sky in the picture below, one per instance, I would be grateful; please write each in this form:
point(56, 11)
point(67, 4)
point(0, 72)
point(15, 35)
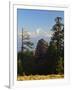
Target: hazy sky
point(37, 22)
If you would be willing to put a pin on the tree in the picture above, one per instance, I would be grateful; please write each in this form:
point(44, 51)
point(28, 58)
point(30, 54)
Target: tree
point(26, 43)
point(19, 68)
point(51, 58)
point(26, 53)
point(57, 41)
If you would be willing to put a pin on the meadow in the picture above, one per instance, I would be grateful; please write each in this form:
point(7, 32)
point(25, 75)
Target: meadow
point(39, 77)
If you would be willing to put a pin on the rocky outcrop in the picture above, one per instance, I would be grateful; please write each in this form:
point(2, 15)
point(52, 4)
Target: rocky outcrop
point(41, 49)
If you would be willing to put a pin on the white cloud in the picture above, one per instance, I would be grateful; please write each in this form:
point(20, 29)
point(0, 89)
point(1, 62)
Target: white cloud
point(37, 32)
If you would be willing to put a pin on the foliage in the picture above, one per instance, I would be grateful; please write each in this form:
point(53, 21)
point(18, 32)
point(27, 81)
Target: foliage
point(58, 41)
point(60, 66)
point(19, 68)
point(26, 43)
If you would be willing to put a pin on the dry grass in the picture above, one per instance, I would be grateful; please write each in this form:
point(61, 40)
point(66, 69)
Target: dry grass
point(39, 77)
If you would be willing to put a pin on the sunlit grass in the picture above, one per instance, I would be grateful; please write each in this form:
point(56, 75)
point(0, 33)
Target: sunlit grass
point(39, 77)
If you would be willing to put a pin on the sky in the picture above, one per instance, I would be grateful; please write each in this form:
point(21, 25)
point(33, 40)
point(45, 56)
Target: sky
point(38, 23)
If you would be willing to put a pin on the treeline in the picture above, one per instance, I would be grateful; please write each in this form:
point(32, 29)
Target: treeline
point(47, 58)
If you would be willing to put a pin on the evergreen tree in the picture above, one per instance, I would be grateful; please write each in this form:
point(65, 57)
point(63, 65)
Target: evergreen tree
point(26, 43)
point(25, 54)
point(57, 41)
